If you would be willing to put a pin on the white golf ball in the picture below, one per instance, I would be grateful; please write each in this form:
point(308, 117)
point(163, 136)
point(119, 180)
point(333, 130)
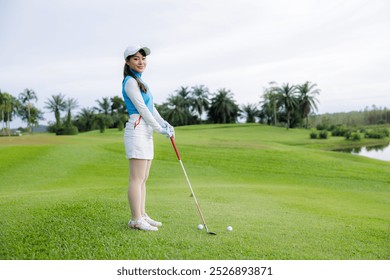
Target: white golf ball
point(200, 226)
point(229, 228)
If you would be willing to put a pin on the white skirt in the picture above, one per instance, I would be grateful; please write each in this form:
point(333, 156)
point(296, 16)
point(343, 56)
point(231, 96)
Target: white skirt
point(138, 138)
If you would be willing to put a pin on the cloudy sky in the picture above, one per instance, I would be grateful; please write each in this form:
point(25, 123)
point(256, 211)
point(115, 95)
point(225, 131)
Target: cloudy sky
point(76, 47)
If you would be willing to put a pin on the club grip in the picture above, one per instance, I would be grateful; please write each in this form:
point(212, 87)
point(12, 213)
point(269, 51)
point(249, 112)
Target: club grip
point(175, 148)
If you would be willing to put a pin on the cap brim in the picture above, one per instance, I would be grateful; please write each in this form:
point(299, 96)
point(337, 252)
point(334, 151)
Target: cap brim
point(146, 50)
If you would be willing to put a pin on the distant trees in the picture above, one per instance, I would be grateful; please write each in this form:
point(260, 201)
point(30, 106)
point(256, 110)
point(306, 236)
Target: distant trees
point(103, 118)
point(27, 111)
point(307, 100)
point(250, 112)
point(287, 97)
point(22, 106)
point(200, 100)
point(194, 105)
point(85, 119)
point(108, 113)
point(377, 115)
point(289, 104)
point(269, 106)
point(56, 104)
point(31, 115)
point(118, 112)
point(223, 108)
point(70, 104)
point(8, 109)
point(285, 105)
point(178, 108)
point(373, 115)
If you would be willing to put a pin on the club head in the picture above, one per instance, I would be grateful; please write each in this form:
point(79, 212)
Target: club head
point(207, 230)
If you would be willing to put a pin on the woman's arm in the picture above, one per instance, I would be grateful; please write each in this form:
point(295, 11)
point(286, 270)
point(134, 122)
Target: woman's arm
point(134, 93)
point(158, 117)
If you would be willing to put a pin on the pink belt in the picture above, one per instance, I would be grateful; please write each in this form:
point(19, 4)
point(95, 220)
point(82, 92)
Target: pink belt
point(137, 121)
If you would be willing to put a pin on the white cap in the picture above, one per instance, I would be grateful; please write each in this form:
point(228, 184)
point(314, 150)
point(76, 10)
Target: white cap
point(130, 50)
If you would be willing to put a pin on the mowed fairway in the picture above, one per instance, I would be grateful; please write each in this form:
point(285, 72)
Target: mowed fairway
point(286, 196)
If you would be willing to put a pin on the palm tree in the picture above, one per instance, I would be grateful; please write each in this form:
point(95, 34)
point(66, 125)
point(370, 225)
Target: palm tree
point(70, 104)
point(118, 105)
point(270, 105)
point(184, 92)
point(104, 106)
point(177, 109)
point(184, 98)
point(85, 119)
point(287, 97)
point(199, 99)
point(223, 108)
point(103, 118)
point(178, 113)
point(250, 111)
point(31, 115)
point(3, 107)
point(307, 99)
point(103, 121)
point(8, 107)
point(56, 104)
point(25, 97)
point(119, 112)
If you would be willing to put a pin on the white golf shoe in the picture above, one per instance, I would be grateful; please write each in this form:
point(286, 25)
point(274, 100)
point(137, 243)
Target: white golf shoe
point(142, 225)
point(151, 221)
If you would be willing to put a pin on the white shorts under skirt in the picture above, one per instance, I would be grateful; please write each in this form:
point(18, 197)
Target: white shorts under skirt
point(138, 139)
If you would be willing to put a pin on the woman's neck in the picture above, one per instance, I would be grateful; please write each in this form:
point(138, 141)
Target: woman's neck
point(137, 74)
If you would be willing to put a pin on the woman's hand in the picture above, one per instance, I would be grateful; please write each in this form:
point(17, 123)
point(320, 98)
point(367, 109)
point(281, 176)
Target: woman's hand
point(167, 131)
point(170, 128)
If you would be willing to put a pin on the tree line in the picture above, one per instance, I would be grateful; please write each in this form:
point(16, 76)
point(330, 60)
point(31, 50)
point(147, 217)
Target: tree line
point(280, 105)
point(23, 107)
point(370, 115)
point(283, 105)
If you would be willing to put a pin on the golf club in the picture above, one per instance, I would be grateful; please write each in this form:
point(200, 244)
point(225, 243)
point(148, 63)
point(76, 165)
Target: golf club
point(189, 184)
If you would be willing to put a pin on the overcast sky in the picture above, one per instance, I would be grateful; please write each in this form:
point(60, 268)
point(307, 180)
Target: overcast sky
point(76, 47)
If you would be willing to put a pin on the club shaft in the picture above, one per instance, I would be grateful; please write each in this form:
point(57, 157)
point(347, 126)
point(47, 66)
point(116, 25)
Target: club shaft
point(192, 192)
point(188, 181)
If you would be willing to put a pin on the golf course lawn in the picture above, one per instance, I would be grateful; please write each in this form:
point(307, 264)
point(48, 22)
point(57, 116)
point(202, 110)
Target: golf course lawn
point(287, 197)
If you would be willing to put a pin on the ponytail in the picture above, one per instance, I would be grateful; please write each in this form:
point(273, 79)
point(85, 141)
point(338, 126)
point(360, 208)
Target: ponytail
point(128, 72)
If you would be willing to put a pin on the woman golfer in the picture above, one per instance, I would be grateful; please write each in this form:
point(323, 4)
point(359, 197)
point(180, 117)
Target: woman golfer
point(138, 136)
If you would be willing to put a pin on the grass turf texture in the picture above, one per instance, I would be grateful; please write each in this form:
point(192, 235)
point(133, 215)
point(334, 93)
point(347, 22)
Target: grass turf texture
point(286, 196)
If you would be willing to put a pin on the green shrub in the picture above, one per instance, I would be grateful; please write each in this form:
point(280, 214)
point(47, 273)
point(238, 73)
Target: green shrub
point(120, 125)
point(339, 130)
point(52, 128)
point(73, 130)
point(313, 135)
point(323, 134)
point(377, 133)
point(322, 126)
point(355, 136)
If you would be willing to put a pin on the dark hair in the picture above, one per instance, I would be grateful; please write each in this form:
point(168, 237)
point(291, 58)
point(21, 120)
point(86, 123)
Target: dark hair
point(127, 72)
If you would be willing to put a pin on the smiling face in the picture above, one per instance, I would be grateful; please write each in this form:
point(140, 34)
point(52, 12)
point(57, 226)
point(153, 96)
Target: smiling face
point(137, 62)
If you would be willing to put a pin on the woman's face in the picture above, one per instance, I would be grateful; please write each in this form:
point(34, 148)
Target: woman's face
point(137, 62)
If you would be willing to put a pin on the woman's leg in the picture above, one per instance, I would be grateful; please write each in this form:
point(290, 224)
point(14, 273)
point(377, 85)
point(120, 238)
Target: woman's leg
point(143, 187)
point(143, 199)
point(136, 191)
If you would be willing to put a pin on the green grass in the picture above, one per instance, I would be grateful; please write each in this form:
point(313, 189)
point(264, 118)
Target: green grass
point(286, 196)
